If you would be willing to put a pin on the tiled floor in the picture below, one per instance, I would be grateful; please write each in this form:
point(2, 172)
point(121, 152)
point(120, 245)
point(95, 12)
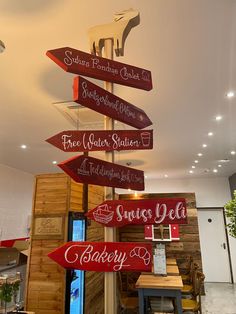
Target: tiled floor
point(220, 298)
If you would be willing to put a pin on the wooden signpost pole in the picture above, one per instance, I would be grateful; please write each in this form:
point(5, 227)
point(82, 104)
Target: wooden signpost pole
point(112, 36)
point(110, 302)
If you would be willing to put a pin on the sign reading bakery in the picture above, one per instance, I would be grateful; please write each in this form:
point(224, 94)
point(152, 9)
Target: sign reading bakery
point(95, 171)
point(79, 62)
point(119, 213)
point(83, 141)
point(104, 256)
point(106, 103)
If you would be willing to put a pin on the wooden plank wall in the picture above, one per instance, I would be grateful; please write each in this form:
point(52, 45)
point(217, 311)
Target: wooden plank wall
point(189, 243)
point(46, 280)
point(58, 194)
point(94, 287)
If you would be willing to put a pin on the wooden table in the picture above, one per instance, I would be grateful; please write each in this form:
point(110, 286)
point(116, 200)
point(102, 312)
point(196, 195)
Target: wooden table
point(168, 286)
point(171, 261)
point(172, 270)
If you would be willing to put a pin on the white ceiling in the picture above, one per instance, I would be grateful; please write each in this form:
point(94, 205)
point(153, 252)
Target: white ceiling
point(190, 47)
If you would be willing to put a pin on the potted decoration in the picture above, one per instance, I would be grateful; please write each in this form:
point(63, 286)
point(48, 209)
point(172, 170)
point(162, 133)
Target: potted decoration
point(230, 211)
point(9, 288)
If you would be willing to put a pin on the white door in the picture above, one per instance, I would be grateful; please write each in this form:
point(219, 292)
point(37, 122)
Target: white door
point(214, 250)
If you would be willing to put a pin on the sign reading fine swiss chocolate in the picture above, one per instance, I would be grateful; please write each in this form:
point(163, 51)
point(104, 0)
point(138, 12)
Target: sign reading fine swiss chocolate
point(79, 62)
point(104, 102)
point(104, 256)
point(95, 171)
point(119, 213)
point(85, 141)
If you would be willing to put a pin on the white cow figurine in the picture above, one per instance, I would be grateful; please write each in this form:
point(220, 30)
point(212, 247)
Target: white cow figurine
point(117, 30)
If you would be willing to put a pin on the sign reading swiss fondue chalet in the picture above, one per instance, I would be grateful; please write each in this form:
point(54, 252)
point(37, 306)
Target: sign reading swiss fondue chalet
point(79, 62)
point(104, 256)
point(119, 213)
point(82, 141)
point(95, 171)
point(104, 102)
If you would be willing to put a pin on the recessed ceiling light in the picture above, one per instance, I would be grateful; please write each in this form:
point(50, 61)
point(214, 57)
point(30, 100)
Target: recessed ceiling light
point(204, 145)
point(196, 161)
point(166, 175)
point(193, 167)
point(2, 46)
point(232, 152)
point(224, 160)
point(210, 133)
point(54, 162)
point(23, 146)
point(215, 170)
point(219, 166)
point(230, 94)
point(199, 154)
point(190, 171)
point(218, 118)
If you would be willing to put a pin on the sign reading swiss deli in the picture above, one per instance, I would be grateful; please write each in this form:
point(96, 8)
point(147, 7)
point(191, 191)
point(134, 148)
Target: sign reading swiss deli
point(104, 256)
point(119, 213)
point(85, 141)
point(95, 171)
point(82, 63)
point(104, 102)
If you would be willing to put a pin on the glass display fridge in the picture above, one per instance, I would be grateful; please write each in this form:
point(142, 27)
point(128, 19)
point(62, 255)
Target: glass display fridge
point(75, 278)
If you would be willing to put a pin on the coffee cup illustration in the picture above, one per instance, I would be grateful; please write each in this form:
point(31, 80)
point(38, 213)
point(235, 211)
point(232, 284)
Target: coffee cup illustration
point(145, 137)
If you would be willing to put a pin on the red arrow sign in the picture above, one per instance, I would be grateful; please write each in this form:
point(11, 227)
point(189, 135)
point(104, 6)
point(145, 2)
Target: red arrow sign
point(100, 100)
point(140, 212)
point(95, 171)
point(83, 141)
point(79, 62)
point(104, 256)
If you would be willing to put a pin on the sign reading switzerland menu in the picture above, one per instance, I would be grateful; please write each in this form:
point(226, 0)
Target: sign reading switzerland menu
point(85, 141)
point(79, 62)
point(118, 213)
point(95, 171)
point(100, 100)
point(104, 256)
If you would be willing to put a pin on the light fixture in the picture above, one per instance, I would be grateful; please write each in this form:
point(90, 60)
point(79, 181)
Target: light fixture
point(129, 190)
point(135, 194)
point(54, 162)
point(230, 94)
point(215, 170)
point(190, 171)
point(210, 134)
point(218, 118)
point(232, 152)
point(204, 145)
point(193, 167)
point(199, 154)
point(166, 175)
point(196, 161)
point(145, 176)
point(224, 160)
point(219, 166)
point(23, 146)
point(2, 46)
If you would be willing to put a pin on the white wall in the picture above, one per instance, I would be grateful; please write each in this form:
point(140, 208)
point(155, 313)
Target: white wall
point(16, 192)
point(210, 192)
